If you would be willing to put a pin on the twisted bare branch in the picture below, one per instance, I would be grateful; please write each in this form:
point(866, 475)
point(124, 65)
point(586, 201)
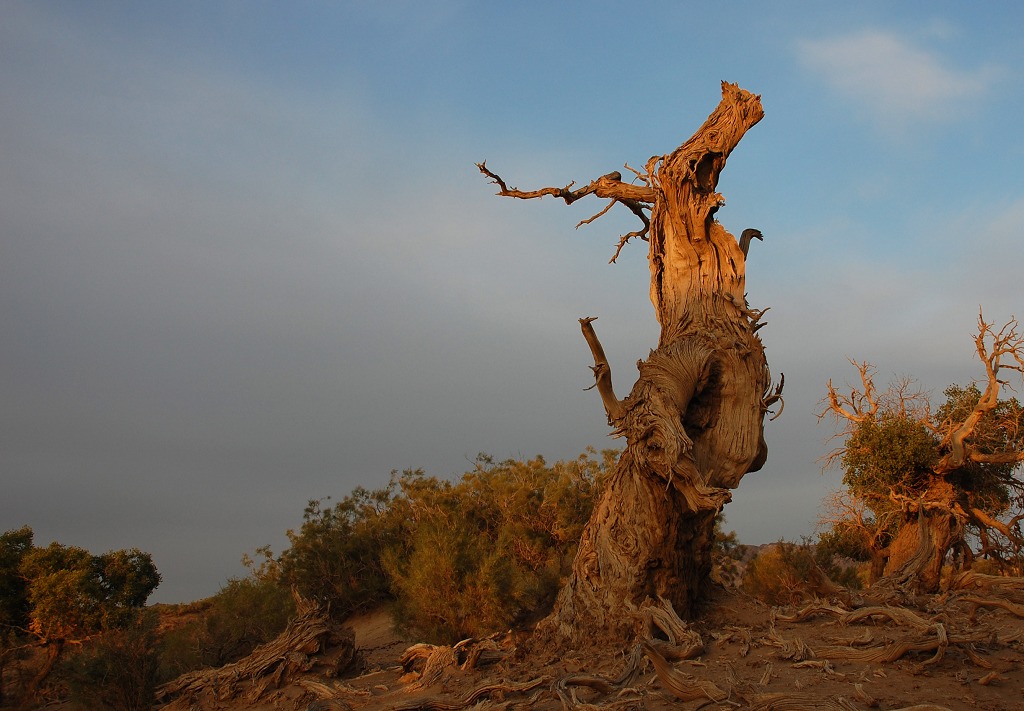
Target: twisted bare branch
point(602, 372)
point(860, 405)
point(637, 198)
point(1006, 344)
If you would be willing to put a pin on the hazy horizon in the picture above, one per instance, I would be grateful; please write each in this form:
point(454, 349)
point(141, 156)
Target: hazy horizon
point(248, 260)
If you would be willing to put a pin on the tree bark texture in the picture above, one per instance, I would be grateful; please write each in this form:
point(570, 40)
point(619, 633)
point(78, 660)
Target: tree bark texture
point(919, 550)
point(693, 422)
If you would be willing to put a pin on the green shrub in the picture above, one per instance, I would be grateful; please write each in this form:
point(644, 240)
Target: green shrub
point(489, 551)
point(454, 559)
point(335, 558)
point(117, 670)
point(244, 614)
point(786, 573)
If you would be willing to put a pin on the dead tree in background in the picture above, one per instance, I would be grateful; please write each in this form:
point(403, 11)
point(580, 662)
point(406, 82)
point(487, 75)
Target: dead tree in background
point(693, 422)
point(964, 478)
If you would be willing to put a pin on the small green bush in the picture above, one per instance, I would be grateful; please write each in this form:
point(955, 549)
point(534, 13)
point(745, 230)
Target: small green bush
point(336, 556)
point(489, 551)
point(454, 559)
point(244, 614)
point(117, 670)
point(786, 573)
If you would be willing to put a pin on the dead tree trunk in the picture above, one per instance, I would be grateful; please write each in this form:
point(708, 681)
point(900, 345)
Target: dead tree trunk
point(693, 423)
point(918, 552)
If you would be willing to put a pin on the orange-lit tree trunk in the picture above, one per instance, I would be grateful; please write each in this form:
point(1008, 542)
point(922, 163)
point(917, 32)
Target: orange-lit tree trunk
point(693, 422)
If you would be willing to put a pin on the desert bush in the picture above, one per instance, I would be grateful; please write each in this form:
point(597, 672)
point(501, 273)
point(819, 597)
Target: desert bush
point(843, 559)
point(726, 554)
point(786, 573)
point(453, 558)
point(987, 566)
point(244, 614)
point(335, 557)
point(58, 596)
point(489, 551)
point(118, 669)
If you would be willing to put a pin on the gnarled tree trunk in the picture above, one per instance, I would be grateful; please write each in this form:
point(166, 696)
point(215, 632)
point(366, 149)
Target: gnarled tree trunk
point(693, 422)
point(919, 550)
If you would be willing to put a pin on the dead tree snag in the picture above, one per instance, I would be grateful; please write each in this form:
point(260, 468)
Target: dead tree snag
point(922, 480)
point(693, 422)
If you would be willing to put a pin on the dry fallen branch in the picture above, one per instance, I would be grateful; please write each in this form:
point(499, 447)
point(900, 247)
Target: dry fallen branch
point(789, 701)
point(932, 636)
point(1016, 610)
point(682, 686)
point(808, 612)
point(794, 649)
point(436, 662)
point(269, 665)
point(328, 693)
point(887, 653)
point(476, 696)
point(991, 585)
point(682, 643)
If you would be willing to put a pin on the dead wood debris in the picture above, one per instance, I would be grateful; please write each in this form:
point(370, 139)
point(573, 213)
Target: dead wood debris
point(294, 652)
point(477, 696)
point(992, 585)
point(928, 635)
point(668, 640)
point(429, 664)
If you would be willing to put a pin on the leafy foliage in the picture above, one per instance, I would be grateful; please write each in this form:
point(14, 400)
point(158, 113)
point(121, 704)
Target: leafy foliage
point(244, 614)
point(73, 593)
point(958, 462)
point(118, 670)
point(59, 594)
point(14, 604)
point(335, 557)
point(989, 485)
point(843, 539)
point(455, 558)
point(787, 573)
point(779, 575)
point(489, 551)
point(894, 451)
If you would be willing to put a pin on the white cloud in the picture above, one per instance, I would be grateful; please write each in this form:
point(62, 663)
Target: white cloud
point(891, 78)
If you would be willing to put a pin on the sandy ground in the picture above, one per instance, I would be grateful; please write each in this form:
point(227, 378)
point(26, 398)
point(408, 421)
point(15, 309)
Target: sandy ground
point(747, 654)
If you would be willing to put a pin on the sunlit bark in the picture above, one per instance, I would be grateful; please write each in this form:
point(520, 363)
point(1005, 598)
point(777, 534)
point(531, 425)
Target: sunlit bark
point(693, 422)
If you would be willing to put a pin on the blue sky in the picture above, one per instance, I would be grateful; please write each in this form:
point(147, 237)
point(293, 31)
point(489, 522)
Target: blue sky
point(246, 259)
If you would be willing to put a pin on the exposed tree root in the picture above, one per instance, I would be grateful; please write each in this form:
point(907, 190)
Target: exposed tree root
point(896, 615)
point(797, 702)
point(682, 686)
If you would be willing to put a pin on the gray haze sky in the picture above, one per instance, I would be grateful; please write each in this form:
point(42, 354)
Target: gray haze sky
point(246, 259)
